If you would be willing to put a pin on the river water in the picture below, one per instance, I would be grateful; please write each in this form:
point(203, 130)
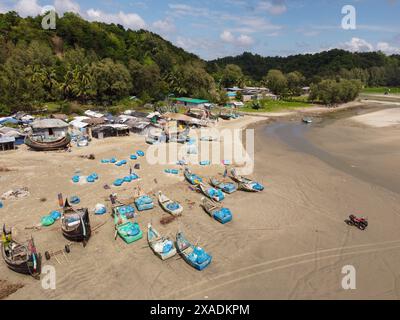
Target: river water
point(372, 168)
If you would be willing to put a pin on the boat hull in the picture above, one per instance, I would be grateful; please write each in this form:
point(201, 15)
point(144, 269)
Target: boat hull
point(48, 146)
point(26, 267)
point(82, 233)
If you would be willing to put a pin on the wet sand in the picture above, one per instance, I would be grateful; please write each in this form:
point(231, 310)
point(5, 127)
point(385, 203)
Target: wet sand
point(289, 242)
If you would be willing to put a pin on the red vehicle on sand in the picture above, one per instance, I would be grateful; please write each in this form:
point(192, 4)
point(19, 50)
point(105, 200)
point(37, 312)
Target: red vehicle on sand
point(360, 223)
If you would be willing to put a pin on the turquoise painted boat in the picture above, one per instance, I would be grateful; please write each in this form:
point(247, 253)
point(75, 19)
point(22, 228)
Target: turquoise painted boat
point(127, 230)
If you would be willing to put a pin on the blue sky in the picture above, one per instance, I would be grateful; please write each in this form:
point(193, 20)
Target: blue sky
point(216, 28)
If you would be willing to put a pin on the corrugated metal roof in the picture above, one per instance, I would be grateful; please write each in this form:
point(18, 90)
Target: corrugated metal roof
point(7, 139)
point(49, 124)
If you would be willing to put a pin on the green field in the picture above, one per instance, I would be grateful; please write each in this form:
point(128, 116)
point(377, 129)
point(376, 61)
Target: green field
point(276, 106)
point(380, 90)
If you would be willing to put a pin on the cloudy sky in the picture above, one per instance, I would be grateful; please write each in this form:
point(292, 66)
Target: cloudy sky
point(216, 28)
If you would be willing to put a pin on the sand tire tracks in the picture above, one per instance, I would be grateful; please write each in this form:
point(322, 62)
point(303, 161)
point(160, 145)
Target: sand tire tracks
point(281, 263)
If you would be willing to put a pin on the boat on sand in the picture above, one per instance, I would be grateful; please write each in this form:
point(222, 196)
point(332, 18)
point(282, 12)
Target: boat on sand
point(163, 247)
point(193, 255)
point(172, 207)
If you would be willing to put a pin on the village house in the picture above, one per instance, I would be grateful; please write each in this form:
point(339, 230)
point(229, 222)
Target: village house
point(7, 143)
point(191, 103)
point(49, 128)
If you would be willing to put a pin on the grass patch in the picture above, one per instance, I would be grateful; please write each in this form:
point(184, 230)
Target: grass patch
point(276, 106)
point(381, 90)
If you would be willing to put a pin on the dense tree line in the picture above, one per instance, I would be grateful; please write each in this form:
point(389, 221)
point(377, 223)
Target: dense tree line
point(371, 68)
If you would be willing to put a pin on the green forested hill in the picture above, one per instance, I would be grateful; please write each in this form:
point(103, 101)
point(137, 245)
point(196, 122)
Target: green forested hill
point(89, 61)
point(374, 68)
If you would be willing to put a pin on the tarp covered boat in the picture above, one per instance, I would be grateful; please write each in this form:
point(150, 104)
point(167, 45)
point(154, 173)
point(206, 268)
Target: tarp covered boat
point(193, 179)
point(21, 258)
point(227, 187)
point(222, 215)
point(144, 203)
point(193, 255)
point(38, 144)
point(212, 193)
point(162, 247)
point(172, 207)
point(75, 224)
point(127, 230)
point(246, 184)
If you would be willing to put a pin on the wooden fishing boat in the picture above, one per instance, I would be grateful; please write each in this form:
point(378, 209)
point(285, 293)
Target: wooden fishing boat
point(75, 224)
point(19, 257)
point(163, 247)
point(192, 178)
point(172, 207)
point(195, 256)
point(212, 193)
point(246, 184)
point(127, 230)
point(216, 211)
point(38, 144)
point(227, 187)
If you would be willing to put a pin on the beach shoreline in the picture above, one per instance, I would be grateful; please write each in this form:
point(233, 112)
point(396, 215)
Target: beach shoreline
point(293, 230)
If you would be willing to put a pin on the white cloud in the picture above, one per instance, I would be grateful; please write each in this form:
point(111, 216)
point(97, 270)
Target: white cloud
point(242, 40)
point(129, 20)
point(227, 36)
point(387, 48)
point(361, 45)
point(27, 8)
point(164, 26)
point(357, 44)
point(63, 6)
point(274, 7)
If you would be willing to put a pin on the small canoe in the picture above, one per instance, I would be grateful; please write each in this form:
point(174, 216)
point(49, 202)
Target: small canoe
point(192, 178)
point(195, 256)
point(222, 215)
point(245, 183)
point(172, 207)
point(163, 247)
point(227, 187)
point(19, 257)
point(212, 193)
point(127, 230)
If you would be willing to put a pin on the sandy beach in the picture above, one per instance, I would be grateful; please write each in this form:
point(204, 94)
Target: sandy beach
point(289, 242)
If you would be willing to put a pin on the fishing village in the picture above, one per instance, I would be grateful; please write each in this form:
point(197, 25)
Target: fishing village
point(134, 169)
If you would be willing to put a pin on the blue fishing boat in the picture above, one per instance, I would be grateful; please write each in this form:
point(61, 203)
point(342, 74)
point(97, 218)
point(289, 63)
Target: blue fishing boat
point(144, 203)
point(193, 255)
point(246, 184)
point(227, 187)
point(192, 178)
point(222, 215)
point(212, 193)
